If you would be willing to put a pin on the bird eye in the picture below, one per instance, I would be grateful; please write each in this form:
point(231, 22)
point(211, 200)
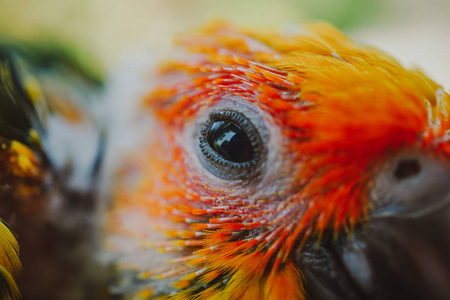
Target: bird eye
point(230, 146)
point(229, 141)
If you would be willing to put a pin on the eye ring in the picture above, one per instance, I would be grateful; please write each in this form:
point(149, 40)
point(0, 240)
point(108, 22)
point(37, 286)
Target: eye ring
point(221, 164)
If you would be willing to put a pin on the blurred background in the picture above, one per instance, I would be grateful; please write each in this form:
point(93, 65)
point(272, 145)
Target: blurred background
point(100, 33)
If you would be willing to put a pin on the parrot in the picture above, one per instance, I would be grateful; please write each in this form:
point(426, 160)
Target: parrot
point(51, 153)
point(292, 165)
point(263, 165)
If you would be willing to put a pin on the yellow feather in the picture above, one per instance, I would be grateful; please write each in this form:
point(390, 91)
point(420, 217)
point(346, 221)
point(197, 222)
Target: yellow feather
point(10, 266)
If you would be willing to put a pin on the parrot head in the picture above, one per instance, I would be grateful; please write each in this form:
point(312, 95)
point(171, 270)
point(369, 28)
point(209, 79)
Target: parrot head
point(284, 166)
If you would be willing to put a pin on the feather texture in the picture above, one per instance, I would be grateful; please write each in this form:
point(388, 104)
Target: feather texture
point(10, 266)
point(340, 109)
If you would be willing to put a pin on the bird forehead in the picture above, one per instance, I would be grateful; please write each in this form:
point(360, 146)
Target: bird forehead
point(281, 73)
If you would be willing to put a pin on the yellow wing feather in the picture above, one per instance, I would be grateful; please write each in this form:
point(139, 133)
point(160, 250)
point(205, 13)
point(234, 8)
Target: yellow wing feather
point(10, 266)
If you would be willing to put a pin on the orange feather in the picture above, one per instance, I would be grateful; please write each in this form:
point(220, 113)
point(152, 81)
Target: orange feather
point(341, 108)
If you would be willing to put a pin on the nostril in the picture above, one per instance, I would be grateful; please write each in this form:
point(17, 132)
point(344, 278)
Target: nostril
point(407, 168)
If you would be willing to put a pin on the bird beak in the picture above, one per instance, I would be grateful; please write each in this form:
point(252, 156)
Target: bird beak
point(402, 252)
point(401, 258)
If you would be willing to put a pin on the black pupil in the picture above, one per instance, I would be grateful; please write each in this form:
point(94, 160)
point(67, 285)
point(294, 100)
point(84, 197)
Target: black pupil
point(229, 141)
